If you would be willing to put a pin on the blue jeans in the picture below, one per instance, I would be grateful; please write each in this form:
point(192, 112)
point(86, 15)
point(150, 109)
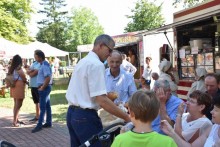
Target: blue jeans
point(45, 106)
point(82, 125)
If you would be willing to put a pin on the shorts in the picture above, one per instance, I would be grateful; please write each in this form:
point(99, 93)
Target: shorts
point(35, 94)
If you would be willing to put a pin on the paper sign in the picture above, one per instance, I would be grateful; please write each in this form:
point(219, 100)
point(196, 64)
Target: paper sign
point(194, 50)
point(182, 53)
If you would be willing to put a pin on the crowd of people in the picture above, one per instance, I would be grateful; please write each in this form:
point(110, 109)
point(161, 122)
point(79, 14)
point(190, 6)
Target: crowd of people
point(154, 113)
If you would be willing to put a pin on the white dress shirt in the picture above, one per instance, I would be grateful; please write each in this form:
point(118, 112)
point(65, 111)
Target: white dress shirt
point(87, 82)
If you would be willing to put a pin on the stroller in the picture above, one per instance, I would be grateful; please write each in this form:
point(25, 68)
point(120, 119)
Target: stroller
point(106, 136)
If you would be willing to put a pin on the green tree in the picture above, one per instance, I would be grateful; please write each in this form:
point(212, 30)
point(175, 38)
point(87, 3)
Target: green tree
point(146, 16)
point(15, 14)
point(84, 28)
point(188, 3)
point(53, 26)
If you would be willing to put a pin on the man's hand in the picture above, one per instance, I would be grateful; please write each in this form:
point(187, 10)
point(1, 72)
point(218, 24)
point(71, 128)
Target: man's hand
point(110, 107)
point(181, 108)
point(161, 95)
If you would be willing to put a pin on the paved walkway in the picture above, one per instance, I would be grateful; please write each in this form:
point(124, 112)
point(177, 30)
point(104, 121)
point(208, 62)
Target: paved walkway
point(57, 136)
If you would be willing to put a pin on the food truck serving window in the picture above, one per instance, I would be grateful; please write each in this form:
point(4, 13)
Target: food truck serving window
point(196, 47)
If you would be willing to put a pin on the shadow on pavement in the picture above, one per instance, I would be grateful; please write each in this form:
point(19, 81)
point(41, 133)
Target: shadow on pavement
point(22, 137)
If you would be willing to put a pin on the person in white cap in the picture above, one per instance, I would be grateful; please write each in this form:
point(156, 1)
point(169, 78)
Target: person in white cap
point(199, 84)
point(166, 73)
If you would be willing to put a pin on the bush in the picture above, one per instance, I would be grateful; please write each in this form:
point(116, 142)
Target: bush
point(62, 63)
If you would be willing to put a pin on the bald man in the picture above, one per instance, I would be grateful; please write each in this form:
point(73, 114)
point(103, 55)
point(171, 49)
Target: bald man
point(118, 80)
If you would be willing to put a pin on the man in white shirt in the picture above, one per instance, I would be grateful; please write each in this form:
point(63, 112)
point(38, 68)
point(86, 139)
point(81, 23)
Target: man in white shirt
point(86, 93)
point(127, 66)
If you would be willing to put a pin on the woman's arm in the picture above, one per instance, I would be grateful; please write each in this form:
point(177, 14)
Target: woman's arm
point(178, 124)
point(22, 75)
point(199, 142)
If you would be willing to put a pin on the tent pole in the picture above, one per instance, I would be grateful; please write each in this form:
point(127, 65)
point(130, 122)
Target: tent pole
point(68, 56)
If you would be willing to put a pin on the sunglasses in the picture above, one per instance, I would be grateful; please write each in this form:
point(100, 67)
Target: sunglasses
point(110, 50)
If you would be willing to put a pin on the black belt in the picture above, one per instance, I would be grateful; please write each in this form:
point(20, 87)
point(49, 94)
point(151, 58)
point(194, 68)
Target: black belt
point(78, 107)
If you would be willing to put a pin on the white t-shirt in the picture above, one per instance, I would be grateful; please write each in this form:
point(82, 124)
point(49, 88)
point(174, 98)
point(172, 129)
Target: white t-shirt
point(147, 73)
point(87, 82)
point(190, 128)
point(128, 67)
point(213, 136)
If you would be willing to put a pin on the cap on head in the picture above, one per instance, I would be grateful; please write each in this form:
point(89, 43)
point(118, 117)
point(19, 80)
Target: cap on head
point(165, 65)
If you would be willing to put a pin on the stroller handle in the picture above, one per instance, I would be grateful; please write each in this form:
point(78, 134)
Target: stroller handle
point(113, 127)
point(106, 130)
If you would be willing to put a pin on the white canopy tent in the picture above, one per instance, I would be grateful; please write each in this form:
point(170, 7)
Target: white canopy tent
point(9, 49)
point(48, 50)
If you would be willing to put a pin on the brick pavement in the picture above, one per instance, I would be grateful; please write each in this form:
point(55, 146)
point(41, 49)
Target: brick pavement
point(57, 136)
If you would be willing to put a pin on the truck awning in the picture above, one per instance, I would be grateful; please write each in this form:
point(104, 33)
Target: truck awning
point(191, 15)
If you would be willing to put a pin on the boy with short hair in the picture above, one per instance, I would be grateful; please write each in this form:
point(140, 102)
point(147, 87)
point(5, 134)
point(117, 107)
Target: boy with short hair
point(143, 107)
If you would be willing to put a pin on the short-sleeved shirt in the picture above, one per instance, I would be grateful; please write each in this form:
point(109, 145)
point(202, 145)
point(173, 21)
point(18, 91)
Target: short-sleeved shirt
point(87, 82)
point(171, 108)
point(44, 72)
point(153, 139)
point(123, 84)
point(190, 128)
point(33, 80)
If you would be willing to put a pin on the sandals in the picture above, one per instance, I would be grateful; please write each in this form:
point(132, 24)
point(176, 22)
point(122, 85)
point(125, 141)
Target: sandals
point(16, 125)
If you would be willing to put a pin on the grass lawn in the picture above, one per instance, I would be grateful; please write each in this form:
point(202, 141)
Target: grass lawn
point(58, 103)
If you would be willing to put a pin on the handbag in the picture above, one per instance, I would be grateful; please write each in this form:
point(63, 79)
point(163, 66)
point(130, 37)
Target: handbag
point(9, 80)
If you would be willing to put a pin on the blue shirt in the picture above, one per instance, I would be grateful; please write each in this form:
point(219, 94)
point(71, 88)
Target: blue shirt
point(123, 84)
point(43, 72)
point(171, 107)
point(33, 80)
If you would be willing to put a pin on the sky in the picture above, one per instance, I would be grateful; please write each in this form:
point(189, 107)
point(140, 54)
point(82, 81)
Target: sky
point(110, 13)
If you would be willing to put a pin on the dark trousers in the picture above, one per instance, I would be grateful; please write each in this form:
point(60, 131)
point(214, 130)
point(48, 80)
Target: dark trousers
point(82, 125)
